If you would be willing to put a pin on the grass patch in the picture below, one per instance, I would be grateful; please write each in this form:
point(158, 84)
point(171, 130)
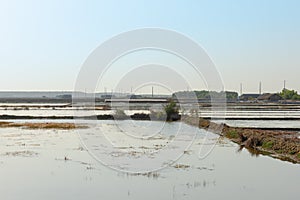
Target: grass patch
point(292, 152)
point(232, 134)
point(268, 145)
point(279, 151)
point(298, 155)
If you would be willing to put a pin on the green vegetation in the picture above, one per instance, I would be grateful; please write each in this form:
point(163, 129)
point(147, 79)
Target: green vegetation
point(279, 151)
point(298, 155)
point(172, 111)
point(204, 94)
point(292, 152)
point(232, 134)
point(289, 94)
point(268, 145)
point(231, 95)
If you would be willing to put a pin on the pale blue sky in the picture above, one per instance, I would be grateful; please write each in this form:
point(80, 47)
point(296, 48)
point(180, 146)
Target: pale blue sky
point(44, 43)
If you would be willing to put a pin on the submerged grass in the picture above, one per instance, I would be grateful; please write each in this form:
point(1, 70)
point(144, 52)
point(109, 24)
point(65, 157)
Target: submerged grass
point(21, 153)
point(181, 166)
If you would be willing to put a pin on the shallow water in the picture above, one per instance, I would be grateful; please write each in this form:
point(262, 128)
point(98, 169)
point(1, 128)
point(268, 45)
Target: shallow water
point(44, 110)
point(52, 164)
point(66, 112)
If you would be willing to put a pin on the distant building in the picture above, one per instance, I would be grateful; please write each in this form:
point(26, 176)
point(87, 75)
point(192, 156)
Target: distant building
point(268, 97)
point(248, 97)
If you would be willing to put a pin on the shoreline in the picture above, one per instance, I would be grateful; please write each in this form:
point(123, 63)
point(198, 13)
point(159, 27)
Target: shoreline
point(279, 144)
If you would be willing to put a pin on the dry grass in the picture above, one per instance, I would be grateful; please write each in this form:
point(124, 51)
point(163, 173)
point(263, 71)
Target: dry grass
point(9, 124)
point(52, 125)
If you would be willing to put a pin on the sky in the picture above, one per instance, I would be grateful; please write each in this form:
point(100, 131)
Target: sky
point(43, 44)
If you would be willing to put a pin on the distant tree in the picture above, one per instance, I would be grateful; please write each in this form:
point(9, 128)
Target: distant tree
point(289, 94)
point(172, 111)
point(204, 94)
point(231, 95)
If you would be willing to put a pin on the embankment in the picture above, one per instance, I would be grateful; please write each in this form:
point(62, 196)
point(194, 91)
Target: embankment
point(284, 145)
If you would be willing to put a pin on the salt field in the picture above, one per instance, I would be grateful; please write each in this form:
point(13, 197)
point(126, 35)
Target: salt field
point(54, 164)
point(139, 159)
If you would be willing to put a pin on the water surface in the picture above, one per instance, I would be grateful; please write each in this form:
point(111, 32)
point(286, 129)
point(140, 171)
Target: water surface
point(52, 164)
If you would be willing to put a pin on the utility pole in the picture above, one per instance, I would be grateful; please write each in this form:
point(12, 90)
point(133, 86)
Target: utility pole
point(152, 91)
point(260, 88)
point(241, 88)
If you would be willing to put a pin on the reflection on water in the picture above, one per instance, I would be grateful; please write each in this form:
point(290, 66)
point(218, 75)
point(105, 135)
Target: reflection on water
point(232, 112)
point(60, 168)
point(263, 123)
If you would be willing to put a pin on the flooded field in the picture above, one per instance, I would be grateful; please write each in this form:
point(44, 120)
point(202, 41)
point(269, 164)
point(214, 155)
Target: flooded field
point(138, 159)
point(54, 164)
point(234, 112)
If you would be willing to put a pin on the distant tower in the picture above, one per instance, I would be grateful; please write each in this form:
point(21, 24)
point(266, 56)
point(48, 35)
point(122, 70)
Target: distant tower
point(284, 82)
point(260, 87)
point(152, 91)
point(241, 88)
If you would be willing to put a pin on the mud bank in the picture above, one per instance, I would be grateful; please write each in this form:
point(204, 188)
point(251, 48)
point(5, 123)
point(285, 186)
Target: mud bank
point(64, 126)
point(280, 144)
